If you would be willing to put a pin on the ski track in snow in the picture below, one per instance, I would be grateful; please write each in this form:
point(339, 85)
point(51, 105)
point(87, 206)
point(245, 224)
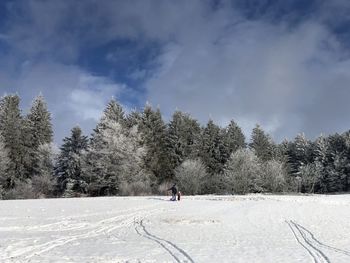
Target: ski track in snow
point(102, 227)
point(252, 228)
point(319, 243)
point(177, 253)
point(313, 246)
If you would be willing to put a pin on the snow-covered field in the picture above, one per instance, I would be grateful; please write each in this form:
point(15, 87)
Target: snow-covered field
point(253, 228)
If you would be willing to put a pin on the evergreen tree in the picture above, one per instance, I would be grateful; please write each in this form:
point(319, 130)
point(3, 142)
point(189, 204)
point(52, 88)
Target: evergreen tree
point(153, 131)
point(68, 169)
point(336, 176)
point(11, 130)
point(321, 160)
point(113, 112)
point(182, 138)
point(281, 152)
point(114, 160)
point(4, 163)
point(43, 181)
point(234, 137)
point(39, 119)
point(133, 119)
point(346, 136)
point(300, 154)
point(262, 144)
point(120, 166)
point(214, 153)
point(98, 169)
point(303, 150)
point(38, 131)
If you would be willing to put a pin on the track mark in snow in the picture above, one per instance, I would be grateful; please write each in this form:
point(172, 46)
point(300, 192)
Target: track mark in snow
point(105, 226)
point(177, 253)
point(303, 238)
point(319, 243)
point(301, 243)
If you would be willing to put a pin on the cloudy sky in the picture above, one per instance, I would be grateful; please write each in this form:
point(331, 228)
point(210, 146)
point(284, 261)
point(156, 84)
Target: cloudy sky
point(283, 64)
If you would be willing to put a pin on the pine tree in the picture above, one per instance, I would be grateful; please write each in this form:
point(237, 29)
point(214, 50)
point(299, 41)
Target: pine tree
point(39, 119)
point(234, 137)
point(281, 152)
point(38, 131)
point(113, 112)
point(321, 161)
point(43, 181)
point(120, 161)
point(99, 167)
point(114, 160)
point(209, 149)
point(68, 169)
point(100, 178)
point(303, 148)
point(346, 136)
point(11, 129)
point(153, 132)
point(213, 152)
point(182, 138)
point(4, 163)
point(300, 155)
point(336, 176)
point(133, 119)
point(262, 144)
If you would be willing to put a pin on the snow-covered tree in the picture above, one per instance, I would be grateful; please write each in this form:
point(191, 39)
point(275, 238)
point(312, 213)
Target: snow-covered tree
point(191, 176)
point(310, 176)
point(38, 131)
point(182, 138)
point(346, 136)
point(115, 161)
point(335, 178)
point(39, 119)
point(242, 172)
point(321, 150)
point(133, 119)
point(43, 181)
point(272, 177)
point(303, 149)
point(316, 172)
point(113, 112)
point(262, 144)
point(4, 164)
point(281, 152)
point(153, 131)
point(11, 130)
point(68, 168)
point(213, 152)
point(234, 137)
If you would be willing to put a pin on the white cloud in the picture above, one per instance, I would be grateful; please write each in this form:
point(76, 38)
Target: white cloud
point(73, 96)
point(214, 62)
point(256, 72)
point(91, 95)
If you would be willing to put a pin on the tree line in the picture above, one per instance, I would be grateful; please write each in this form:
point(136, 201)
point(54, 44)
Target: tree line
point(139, 153)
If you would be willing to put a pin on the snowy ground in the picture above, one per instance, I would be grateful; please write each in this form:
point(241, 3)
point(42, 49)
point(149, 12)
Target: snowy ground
point(253, 228)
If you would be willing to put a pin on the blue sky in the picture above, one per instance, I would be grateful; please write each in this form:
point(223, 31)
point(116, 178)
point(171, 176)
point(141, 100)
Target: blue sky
point(283, 64)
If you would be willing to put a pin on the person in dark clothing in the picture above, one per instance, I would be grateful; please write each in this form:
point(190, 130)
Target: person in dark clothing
point(173, 190)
